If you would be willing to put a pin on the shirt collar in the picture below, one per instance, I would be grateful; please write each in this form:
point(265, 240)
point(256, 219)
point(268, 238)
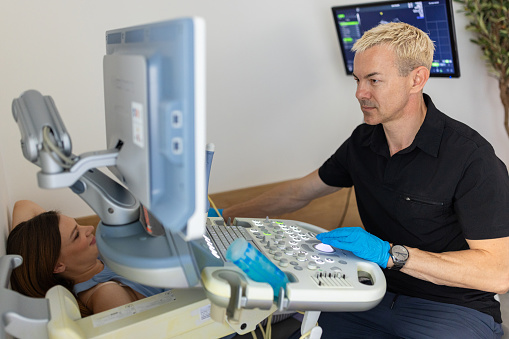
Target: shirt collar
point(428, 137)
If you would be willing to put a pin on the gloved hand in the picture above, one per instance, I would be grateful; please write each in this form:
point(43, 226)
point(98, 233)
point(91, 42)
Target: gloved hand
point(212, 212)
point(361, 243)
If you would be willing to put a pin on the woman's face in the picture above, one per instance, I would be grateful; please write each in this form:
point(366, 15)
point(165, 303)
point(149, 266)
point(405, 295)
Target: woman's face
point(78, 244)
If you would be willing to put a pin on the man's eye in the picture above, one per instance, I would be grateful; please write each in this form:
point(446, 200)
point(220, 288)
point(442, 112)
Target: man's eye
point(375, 81)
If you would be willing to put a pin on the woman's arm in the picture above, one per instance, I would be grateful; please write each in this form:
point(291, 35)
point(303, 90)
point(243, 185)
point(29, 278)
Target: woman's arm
point(25, 210)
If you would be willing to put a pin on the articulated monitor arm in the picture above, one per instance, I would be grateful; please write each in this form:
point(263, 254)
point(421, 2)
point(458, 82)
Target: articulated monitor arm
point(46, 143)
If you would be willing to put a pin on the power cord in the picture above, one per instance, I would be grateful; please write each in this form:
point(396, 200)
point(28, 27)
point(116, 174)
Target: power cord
point(303, 336)
point(214, 206)
point(267, 332)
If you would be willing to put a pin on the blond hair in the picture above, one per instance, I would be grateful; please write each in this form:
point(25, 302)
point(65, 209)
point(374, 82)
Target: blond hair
point(412, 46)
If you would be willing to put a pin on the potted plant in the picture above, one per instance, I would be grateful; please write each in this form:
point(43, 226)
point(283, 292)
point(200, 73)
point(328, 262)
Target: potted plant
point(489, 20)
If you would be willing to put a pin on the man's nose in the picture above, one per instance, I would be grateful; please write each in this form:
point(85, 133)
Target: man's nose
point(362, 92)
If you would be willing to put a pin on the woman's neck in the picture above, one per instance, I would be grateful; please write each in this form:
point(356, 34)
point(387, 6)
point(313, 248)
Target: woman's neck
point(84, 273)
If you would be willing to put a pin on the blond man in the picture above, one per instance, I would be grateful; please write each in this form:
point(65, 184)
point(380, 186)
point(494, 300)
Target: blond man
point(432, 195)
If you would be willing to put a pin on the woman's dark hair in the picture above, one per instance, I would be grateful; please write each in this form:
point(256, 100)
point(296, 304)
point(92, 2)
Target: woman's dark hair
point(38, 242)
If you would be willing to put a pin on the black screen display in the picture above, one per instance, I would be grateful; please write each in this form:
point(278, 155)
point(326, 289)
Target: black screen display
point(433, 17)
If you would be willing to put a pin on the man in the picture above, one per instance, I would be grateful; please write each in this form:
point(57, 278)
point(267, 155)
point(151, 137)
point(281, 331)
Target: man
point(431, 193)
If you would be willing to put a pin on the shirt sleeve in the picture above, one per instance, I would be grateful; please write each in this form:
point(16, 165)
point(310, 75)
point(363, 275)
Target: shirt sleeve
point(334, 172)
point(482, 196)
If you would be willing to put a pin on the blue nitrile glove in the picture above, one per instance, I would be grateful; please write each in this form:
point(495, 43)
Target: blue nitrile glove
point(212, 212)
point(361, 243)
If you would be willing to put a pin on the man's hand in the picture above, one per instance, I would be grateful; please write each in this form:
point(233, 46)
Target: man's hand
point(361, 243)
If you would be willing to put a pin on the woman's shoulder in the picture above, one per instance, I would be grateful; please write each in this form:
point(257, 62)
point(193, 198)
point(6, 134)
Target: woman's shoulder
point(108, 295)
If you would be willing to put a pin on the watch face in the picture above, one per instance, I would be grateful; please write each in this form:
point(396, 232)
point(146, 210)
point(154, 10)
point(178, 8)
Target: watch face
point(399, 253)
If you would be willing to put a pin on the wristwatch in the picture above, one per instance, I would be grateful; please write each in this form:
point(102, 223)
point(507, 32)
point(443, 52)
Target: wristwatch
point(399, 255)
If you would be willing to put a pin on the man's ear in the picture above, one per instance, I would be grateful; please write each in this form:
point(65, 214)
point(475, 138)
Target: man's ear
point(59, 267)
point(420, 76)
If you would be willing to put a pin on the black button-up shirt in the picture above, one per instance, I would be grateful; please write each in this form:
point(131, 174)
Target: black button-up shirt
point(447, 186)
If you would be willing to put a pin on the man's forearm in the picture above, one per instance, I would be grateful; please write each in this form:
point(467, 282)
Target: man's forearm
point(478, 268)
point(276, 201)
point(285, 198)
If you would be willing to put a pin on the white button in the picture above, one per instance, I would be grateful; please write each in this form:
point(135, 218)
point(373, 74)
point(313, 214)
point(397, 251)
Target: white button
point(312, 265)
point(324, 248)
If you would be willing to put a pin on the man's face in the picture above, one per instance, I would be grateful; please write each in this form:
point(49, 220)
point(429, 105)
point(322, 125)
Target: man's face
point(382, 93)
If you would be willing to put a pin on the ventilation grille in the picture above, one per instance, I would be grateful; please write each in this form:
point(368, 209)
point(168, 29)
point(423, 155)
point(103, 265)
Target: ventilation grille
point(324, 279)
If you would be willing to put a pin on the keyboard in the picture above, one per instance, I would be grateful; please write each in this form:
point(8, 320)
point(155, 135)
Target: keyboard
point(223, 236)
point(321, 277)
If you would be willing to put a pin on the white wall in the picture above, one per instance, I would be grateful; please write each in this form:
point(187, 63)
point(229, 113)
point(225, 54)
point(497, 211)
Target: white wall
point(279, 102)
point(5, 212)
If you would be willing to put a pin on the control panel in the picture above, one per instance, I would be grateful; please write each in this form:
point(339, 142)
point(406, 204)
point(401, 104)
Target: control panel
point(322, 278)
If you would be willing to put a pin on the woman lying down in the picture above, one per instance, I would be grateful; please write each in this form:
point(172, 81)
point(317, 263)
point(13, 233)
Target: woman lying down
point(58, 251)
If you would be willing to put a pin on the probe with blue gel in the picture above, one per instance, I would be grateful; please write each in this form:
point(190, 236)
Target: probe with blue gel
point(256, 265)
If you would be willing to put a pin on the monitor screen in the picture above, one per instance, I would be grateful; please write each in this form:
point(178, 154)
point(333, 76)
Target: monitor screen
point(433, 17)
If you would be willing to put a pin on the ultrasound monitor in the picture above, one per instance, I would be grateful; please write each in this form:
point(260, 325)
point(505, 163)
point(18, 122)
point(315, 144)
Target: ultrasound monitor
point(433, 17)
point(155, 116)
point(154, 89)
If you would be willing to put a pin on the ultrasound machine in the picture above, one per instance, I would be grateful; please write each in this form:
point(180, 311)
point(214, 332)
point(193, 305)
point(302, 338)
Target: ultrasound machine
point(154, 229)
